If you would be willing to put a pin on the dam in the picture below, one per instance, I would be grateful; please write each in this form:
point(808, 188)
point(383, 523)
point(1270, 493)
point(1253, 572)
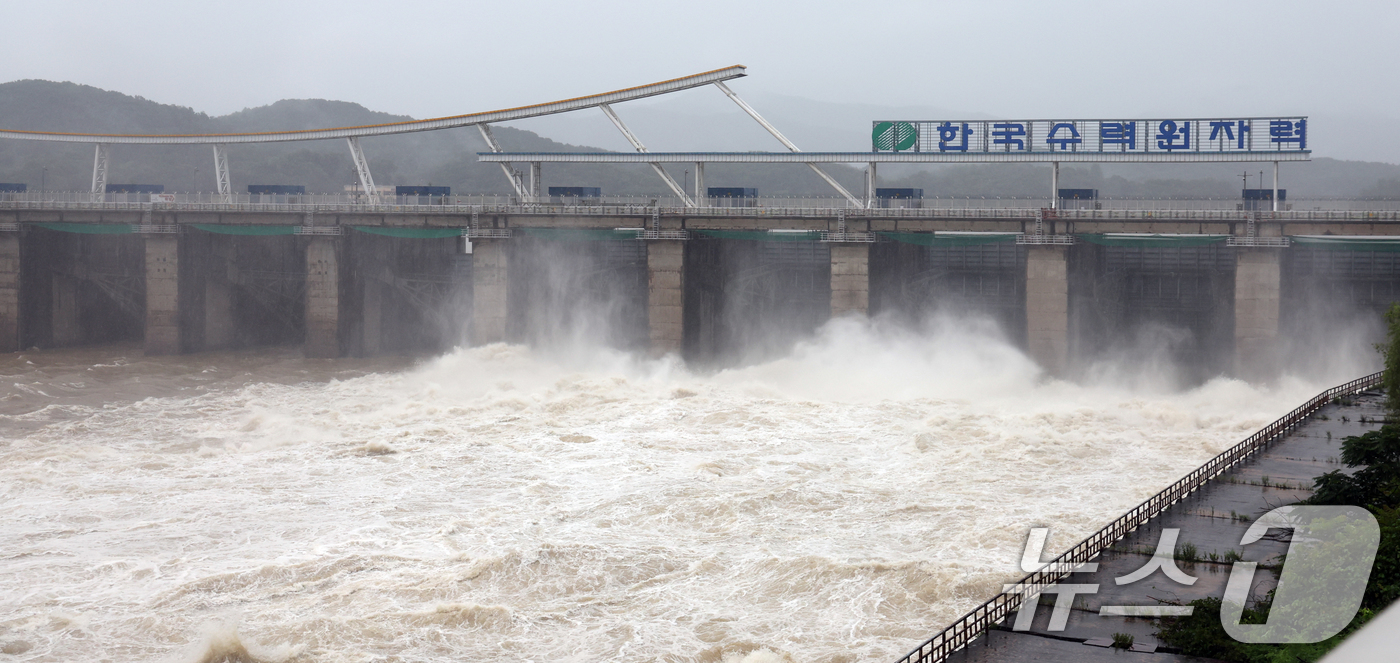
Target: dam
point(873, 399)
point(361, 280)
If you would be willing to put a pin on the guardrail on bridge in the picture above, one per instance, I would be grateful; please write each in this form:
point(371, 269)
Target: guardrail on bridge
point(546, 209)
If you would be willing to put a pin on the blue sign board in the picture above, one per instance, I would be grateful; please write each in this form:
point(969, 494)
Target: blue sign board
point(1188, 135)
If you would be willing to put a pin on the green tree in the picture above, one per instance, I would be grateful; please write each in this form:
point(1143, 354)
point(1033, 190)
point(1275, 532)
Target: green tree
point(1200, 634)
point(1391, 351)
point(1376, 481)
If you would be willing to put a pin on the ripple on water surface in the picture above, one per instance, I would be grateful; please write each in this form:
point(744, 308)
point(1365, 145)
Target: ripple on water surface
point(840, 503)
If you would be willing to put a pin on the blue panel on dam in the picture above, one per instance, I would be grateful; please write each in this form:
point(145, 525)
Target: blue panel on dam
point(899, 194)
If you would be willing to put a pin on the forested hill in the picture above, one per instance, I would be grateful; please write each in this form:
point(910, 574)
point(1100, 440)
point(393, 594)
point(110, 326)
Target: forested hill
point(449, 157)
point(439, 157)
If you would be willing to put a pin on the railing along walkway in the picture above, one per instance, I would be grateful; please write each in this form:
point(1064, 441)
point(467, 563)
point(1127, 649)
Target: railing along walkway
point(963, 631)
point(544, 209)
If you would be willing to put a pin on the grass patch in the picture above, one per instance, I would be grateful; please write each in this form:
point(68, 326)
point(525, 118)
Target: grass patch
point(1187, 552)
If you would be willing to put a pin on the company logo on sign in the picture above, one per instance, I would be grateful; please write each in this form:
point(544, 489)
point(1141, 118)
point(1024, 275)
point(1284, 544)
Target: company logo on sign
point(894, 136)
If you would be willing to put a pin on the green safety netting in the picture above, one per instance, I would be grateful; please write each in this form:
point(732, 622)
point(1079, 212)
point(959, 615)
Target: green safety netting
point(763, 235)
point(1334, 243)
point(246, 230)
point(90, 228)
point(579, 234)
point(942, 239)
point(410, 233)
point(1143, 240)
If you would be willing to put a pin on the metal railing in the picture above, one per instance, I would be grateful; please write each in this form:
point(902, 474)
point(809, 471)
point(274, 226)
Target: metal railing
point(848, 237)
point(1027, 238)
point(1002, 214)
point(644, 206)
point(487, 233)
point(966, 629)
point(154, 229)
point(299, 202)
point(663, 234)
point(317, 230)
point(1257, 241)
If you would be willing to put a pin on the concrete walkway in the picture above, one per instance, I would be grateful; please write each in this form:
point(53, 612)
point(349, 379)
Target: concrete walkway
point(1281, 474)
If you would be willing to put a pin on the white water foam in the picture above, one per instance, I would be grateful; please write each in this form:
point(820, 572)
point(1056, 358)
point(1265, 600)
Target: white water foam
point(499, 504)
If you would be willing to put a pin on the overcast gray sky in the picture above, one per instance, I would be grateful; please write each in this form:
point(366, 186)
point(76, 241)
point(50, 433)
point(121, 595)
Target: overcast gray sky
point(1013, 58)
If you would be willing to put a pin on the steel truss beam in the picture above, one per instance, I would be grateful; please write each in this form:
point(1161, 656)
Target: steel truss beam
point(221, 174)
point(702, 196)
point(787, 143)
point(506, 115)
point(273, 291)
point(426, 293)
point(511, 174)
point(125, 290)
point(99, 170)
point(1275, 196)
point(362, 167)
point(872, 180)
point(665, 176)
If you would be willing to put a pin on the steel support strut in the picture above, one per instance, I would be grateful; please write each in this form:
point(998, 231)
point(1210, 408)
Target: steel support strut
point(871, 181)
point(221, 174)
point(1275, 198)
point(99, 170)
point(506, 168)
point(702, 197)
point(787, 143)
point(362, 167)
point(665, 176)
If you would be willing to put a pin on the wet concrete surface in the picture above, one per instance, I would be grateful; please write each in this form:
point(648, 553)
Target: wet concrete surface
point(1213, 519)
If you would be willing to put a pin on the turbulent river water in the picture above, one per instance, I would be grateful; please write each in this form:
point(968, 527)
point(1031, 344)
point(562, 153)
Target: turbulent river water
point(499, 503)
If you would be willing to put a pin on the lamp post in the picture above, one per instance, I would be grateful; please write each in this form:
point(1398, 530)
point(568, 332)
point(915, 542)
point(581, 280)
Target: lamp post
point(43, 182)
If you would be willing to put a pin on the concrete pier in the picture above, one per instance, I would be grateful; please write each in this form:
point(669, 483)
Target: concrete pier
point(850, 279)
point(490, 290)
point(1256, 309)
point(196, 280)
point(163, 295)
point(1047, 306)
point(322, 298)
point(666, 295)
point(9, 292)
